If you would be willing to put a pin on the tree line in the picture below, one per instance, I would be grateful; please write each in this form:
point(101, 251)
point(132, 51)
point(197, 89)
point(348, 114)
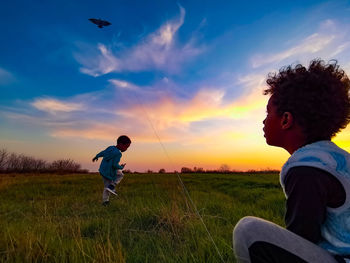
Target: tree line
point(20, 163)
point(224, 169)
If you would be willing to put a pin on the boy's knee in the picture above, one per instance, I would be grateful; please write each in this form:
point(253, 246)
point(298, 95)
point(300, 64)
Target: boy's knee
point(243, 233)
point(243, 237)
point(245, 225)
point(111, 186)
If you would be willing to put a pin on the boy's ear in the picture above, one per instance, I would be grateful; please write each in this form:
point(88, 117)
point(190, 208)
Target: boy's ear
point(287, 120)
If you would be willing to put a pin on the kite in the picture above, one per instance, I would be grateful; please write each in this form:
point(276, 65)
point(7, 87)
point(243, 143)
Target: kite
point(99, 22)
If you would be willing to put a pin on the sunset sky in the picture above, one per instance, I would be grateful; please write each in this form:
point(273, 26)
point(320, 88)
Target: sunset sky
point(183, 79)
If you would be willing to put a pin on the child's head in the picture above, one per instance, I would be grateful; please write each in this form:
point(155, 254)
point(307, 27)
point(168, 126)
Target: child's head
point(317, 98)
point(123, 143)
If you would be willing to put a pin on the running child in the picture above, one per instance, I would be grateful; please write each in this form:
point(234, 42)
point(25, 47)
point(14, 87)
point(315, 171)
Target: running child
point(110, 169)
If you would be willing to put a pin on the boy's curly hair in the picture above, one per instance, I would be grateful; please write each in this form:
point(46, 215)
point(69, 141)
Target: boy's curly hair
point(123, 139)
point(317, 97)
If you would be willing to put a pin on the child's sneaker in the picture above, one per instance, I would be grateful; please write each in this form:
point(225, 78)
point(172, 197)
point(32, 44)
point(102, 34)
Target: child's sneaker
point(105, 203)
point(111, 189)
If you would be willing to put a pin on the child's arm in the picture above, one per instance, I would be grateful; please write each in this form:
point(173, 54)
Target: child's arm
point(100, 154)
point(309, 190)
point(116, 163)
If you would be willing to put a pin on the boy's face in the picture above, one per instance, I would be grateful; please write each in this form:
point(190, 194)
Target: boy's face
point(272, 125)
point(123, 146)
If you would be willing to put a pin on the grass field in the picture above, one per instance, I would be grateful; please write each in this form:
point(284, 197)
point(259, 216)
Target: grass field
point(59, 218)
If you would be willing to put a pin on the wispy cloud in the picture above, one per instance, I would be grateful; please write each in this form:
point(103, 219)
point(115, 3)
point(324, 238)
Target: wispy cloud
point(55, 106)
point(6, 77)
point(328, 42)
point(102, 63)
point(124, 84)
point(340, 49)
point(159, 50)
point(311, 44)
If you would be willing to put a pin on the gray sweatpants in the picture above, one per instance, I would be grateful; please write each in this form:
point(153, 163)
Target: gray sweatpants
point(252, 229)
point(107, 182)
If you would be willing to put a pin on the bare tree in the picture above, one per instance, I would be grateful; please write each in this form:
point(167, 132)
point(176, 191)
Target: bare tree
point(65, 165)
point(40, 165)
point(13, 163)
point(3, 159)
point(26, 163)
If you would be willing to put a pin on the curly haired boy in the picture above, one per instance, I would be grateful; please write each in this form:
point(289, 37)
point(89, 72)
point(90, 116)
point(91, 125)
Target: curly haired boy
point(110, 169)
point(306, 108)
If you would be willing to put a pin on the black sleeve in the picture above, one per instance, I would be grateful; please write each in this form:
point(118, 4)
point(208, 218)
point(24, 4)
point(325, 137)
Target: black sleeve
point(307, 189)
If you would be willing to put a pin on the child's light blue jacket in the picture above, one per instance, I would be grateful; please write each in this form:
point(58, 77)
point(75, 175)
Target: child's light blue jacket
point(329, 157)
point(110, 162)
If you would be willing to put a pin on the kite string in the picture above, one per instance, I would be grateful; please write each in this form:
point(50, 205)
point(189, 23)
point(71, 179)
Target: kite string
point(179, 178)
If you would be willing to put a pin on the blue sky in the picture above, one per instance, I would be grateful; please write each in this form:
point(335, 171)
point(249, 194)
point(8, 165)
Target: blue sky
point(187, 73)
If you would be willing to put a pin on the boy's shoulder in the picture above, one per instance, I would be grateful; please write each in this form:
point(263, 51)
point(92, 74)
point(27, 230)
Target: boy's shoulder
point(324, 155)
point(113, 150)
point(110, 147)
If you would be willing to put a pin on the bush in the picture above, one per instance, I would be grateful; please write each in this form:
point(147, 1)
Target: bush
point(186, 170)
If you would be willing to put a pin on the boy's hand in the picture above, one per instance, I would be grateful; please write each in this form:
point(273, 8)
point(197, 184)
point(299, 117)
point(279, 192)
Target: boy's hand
point(95, 159)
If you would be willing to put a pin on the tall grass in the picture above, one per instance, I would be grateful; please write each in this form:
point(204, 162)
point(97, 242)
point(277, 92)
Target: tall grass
point(59, 218)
